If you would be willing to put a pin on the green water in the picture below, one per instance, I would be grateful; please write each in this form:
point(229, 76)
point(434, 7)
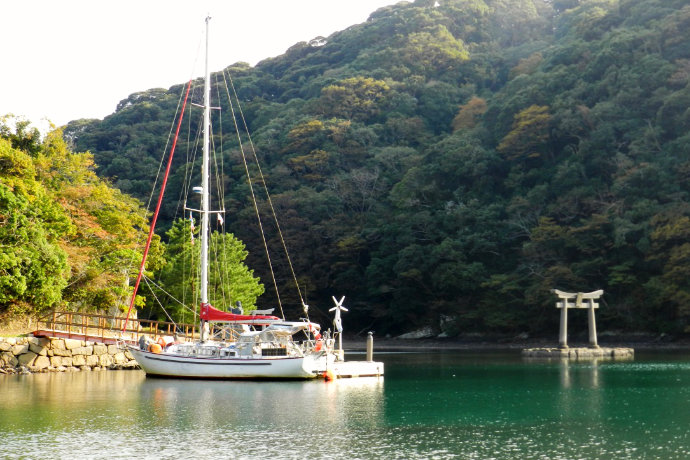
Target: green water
point(431, 405)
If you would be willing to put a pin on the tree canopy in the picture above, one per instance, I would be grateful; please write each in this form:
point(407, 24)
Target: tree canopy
point(68, 237)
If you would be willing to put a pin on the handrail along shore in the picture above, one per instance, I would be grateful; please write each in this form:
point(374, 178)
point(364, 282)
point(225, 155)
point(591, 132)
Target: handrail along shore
point(108, 328)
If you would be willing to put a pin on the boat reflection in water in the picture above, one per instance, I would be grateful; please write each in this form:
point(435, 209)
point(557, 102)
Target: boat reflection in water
point(262, 419)
point(128, 415)
point(331, 406)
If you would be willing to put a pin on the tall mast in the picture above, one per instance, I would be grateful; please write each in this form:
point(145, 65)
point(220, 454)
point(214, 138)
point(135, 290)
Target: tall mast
point(205, 183)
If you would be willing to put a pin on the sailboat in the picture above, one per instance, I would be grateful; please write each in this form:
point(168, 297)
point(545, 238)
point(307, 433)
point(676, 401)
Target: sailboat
point(244, 346)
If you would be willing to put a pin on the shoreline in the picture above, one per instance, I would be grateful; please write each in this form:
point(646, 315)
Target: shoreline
point(479, 343)
point(498, 345)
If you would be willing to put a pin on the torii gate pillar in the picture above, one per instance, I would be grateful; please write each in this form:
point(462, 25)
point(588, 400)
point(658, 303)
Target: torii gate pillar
point(581, 300)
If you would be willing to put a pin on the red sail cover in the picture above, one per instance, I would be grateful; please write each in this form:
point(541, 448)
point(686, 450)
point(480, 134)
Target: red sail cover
point(209, 313)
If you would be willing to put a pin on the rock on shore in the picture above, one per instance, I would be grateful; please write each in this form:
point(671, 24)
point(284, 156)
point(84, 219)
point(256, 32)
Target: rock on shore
point(22, 355)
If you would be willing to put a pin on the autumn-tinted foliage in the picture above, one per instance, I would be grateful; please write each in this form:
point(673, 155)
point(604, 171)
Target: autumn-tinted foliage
point(447, 163)
point(68, 238)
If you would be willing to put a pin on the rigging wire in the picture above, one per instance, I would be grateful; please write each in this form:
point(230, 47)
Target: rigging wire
point(268, 196)
point(149, 281)
point(146, 280)
point(254, 201)
point(217, 268)
point(192, 154)
point(222, 265)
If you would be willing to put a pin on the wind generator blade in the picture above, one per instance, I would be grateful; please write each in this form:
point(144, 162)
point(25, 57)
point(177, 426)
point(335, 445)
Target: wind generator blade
point(338, 304)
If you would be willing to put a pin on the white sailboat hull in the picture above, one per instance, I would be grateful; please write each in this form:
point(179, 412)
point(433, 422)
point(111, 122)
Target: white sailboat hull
point(167, 365)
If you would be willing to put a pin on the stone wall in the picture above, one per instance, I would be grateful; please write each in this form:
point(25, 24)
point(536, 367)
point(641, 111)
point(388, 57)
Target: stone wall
point(21, 355)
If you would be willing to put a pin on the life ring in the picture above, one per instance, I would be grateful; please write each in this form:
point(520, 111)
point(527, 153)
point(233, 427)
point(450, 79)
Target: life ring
point(165, 341)
point(155, 348)
point(318, 345)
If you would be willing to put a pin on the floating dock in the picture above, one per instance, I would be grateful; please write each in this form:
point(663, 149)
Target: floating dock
point(342, 369)
point(354, 369)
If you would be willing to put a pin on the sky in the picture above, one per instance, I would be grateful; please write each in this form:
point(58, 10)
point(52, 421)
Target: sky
point(71, 59)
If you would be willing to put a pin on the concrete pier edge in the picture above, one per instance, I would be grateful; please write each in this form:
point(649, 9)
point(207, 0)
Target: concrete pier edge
point(579, 352)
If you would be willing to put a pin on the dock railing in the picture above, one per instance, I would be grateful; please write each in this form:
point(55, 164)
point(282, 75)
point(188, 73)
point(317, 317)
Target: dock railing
point(108, 328)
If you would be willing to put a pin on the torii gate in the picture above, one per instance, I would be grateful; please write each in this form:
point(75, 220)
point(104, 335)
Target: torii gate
point(581, 300)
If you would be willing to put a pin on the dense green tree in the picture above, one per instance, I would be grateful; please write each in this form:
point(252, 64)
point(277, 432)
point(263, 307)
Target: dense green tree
point(22, 136)
point(353, 98)
point(33, 266)
point(69, 239)
point(529, 137)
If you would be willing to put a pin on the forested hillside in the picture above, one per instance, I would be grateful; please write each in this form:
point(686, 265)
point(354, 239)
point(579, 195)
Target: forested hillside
point(447, 163)
point(67, 238)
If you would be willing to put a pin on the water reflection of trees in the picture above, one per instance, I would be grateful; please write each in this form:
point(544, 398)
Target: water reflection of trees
point(66, 400)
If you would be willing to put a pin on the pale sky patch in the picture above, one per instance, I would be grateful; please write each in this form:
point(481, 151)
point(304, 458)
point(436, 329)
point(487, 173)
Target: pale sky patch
point(71, 59)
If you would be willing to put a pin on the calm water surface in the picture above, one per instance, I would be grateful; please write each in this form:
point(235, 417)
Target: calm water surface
point(432, 405)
